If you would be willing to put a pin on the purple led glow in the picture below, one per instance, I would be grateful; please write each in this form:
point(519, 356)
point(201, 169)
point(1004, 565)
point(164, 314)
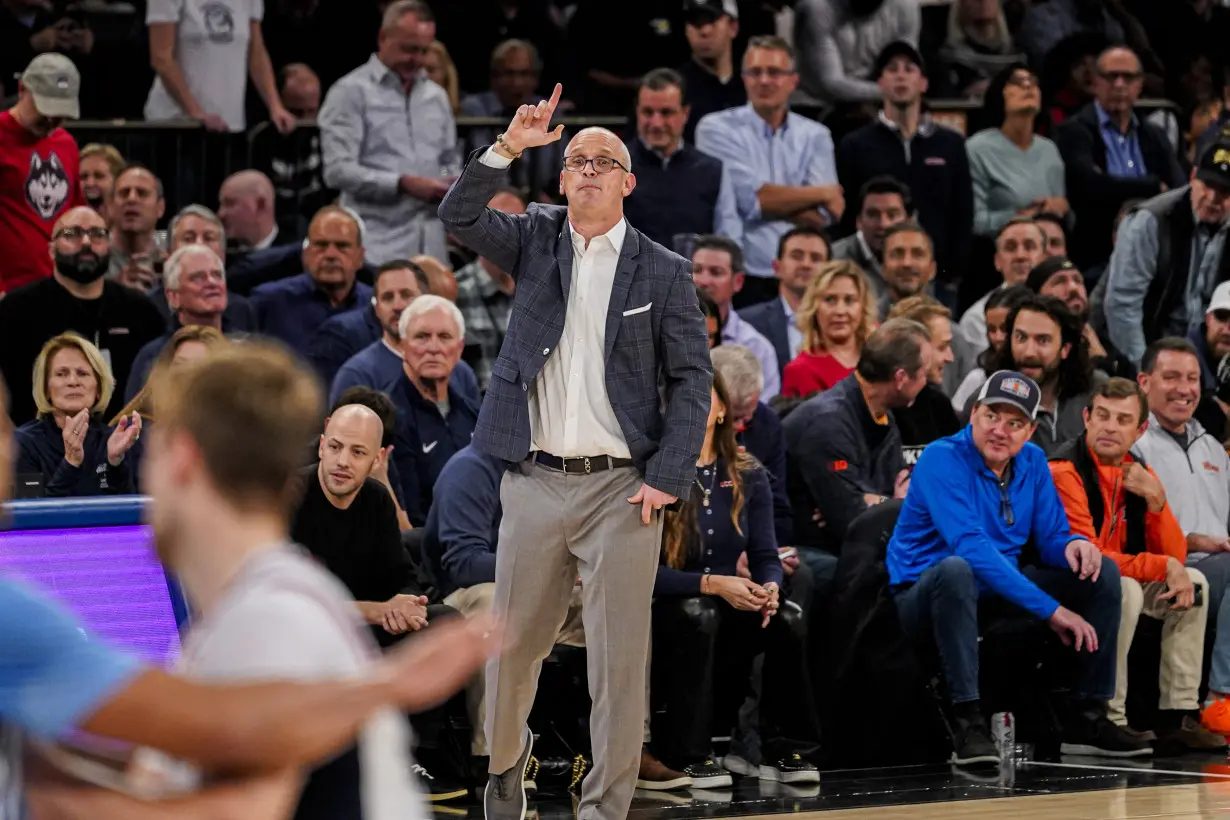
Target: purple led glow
point(108, 576)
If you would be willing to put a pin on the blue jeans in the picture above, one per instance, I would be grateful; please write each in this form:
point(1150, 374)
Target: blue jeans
point(943, 604)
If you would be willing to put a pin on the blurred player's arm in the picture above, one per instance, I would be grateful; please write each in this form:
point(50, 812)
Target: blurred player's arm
point(270, 726)
point(267, 797)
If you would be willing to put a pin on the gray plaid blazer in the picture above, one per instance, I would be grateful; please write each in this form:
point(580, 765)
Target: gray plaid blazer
point(658, 371)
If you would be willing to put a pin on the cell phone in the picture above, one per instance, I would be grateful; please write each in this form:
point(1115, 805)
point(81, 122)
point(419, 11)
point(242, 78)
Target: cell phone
point(792, 552)
point(1199, 596)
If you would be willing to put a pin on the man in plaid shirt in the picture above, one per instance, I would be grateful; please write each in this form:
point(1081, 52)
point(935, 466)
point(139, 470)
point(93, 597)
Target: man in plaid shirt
point(485, 297)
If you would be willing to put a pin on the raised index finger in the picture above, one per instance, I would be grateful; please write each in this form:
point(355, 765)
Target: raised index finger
point(554, 101)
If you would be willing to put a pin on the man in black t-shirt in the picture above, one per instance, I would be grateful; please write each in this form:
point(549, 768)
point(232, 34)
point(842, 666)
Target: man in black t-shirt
point(77, 297)
point(348, 521)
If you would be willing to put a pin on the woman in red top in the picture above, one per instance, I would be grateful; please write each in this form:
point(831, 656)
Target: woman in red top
point(837, 315)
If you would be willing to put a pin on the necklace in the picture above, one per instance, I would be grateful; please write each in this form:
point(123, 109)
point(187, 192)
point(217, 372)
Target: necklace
point(708, 491)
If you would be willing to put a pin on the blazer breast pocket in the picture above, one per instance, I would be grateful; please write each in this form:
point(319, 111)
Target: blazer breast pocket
point(634, 311)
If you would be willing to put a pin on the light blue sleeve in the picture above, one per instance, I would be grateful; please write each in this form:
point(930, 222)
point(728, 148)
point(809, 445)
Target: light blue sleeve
point(53, 674)
point(717, 139)
point(822, 170)
point(342, 130)
point(1133, 264)
point(726, 219)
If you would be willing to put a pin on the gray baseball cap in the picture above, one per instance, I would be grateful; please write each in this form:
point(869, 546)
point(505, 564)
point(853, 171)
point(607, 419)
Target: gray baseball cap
point(54, 82)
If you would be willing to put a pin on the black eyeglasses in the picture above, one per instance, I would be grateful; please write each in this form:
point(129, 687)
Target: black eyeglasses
point(601, 165)
point(1222, 315)
point(1023, 80)
point(1126, 76)
point(769, 73)
point(74, 233)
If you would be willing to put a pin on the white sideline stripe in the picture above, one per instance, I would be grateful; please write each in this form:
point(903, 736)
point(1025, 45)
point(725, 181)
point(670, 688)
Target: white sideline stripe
point(1197, 775)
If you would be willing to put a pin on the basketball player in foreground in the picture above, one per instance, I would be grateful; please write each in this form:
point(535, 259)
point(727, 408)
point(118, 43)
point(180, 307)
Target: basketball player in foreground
point(223, 467)
point(52, 681)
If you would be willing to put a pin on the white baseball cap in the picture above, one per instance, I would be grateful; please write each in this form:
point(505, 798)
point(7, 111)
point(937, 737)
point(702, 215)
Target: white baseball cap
point(1221, 298)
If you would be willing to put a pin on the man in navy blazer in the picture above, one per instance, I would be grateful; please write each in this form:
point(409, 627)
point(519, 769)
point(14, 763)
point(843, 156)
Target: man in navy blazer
point(599, 399)
point(800, 253)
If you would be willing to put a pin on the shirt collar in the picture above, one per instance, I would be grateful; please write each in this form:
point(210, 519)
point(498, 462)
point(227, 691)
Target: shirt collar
point(764, 126)
point(1104, 119)
point(390, 347)
point(664, 157)
point(789, 311)
point(926, 124)
point(732, 324)
point(380, 72)
point(268, 240)
point(615, 236)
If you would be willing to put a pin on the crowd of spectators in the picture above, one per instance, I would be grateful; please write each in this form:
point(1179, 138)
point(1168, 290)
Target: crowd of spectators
point(1017, 336)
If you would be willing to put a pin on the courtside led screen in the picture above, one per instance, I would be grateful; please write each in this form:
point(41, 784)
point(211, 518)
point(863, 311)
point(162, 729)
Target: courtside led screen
point(108, 576)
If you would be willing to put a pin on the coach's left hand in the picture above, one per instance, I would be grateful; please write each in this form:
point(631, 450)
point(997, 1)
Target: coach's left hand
point(650, 500)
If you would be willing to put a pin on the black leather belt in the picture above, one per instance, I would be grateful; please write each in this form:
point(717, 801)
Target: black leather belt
point(581, 464)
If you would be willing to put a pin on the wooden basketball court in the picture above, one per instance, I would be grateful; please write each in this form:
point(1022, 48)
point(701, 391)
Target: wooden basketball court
point(1189, 802)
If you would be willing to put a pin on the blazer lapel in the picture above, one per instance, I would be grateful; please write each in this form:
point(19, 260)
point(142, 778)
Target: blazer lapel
point(619, 288)
point(563, 256)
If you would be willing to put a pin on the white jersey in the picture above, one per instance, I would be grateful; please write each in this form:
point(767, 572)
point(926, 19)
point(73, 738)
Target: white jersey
point(285, 617)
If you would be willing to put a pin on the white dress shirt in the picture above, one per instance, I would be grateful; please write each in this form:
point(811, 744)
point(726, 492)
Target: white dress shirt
point(570, 411)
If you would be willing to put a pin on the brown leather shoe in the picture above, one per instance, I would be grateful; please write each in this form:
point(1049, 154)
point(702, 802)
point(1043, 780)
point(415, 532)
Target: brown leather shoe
point(1145, 735)
point(1193, 737)
point(654, 775)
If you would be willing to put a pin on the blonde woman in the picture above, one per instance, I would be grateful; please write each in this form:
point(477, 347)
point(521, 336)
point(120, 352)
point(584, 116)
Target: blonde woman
point(441, 70)
point(100, 165)
point(68, 445)
point(837, 314)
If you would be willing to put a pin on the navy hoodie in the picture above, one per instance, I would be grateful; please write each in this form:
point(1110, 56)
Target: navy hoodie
point(40, 450)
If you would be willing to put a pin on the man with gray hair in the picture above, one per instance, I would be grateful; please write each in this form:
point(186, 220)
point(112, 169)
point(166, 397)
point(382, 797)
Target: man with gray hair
point(197, 225)
point(389, 141)
point(194, 291)
point(434, 419)
point(759, 428)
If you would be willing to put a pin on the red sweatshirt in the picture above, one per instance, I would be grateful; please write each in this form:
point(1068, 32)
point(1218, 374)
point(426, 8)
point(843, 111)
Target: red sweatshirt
point(39, 180)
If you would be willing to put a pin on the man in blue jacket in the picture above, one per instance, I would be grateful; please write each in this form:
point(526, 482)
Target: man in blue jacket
point(980, 501)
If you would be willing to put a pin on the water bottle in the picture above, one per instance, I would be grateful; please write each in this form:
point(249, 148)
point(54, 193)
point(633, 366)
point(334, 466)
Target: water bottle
point(1003, 730)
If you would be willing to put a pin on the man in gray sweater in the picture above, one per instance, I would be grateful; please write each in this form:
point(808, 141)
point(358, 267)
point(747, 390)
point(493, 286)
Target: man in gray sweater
point(1182, 235)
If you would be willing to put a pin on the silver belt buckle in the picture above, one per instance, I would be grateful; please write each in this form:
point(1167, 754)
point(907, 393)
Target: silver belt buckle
point(587, 466)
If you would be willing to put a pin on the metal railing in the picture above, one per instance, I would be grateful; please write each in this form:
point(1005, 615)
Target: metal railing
point(192, 162)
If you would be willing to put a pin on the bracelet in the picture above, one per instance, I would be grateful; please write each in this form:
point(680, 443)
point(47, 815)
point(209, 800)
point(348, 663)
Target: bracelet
point(704, 584)
point(499, 138)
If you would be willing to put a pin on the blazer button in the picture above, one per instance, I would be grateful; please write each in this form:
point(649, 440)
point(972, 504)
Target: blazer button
point(546, 351)
point(524, 387)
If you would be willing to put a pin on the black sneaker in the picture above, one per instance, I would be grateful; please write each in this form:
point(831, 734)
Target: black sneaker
point(708, 775)
point(790, 769)
point(437, 790)
point(1090, 732)
point(971, 741)
point(530, 781)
